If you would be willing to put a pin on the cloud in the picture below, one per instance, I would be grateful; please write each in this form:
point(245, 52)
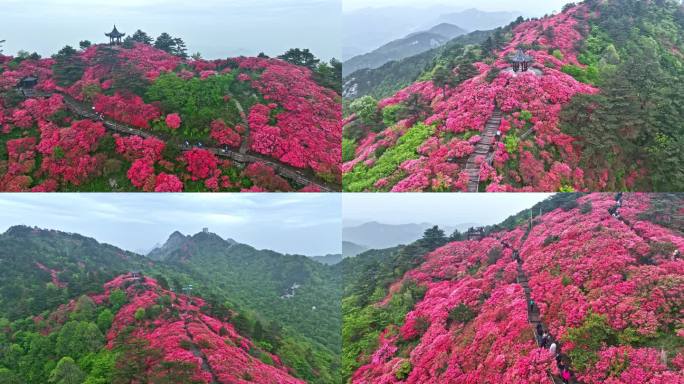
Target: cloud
point(308, 224)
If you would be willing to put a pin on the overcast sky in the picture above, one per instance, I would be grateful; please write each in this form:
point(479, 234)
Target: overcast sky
point(435, 208)
point(216, 28)
point(302, 223)
point(527, 7)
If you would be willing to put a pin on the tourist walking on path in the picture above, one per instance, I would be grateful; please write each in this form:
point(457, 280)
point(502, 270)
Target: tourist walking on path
point(565, 375)
point(544, 340)
point(552, 348)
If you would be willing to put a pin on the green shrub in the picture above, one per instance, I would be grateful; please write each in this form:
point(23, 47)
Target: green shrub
point(461, 314)
point(404, 370)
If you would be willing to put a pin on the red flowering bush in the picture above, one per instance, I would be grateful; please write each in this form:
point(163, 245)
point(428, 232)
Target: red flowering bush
point(201, 163)
point(265, 177)
point(168, 183)
point(127, 109)
point(67, 152)
point(225, 135)
point(173, 121)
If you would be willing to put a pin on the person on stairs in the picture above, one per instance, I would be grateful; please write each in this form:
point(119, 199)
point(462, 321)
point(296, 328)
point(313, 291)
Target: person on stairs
point(565, 375)
point(544, 340)
point(559, 362)
point(540, 330)
point(552, 348)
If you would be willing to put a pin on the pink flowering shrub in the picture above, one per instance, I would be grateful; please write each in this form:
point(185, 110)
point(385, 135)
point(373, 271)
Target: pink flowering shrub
point(224, 135)
point(173, 121)
point(127, 109)
point(200, 163)
point(168, 183)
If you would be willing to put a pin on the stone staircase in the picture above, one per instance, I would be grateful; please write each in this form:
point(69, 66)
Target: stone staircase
point(483, 149)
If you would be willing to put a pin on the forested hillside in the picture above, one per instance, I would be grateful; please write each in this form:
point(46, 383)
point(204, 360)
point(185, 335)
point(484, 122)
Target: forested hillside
point(602, 273)
point(286, 305)
point(599, 109)
point(146, 117)
point(134, 331)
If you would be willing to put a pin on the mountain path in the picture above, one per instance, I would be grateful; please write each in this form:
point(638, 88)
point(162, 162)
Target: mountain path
point(198, 353)
point(533, 314)
point(483, 148)
point(289, 172)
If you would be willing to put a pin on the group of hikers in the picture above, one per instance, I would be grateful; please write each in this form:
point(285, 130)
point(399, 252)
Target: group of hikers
point(547, 341)
point(615, 210)
point(544, 339)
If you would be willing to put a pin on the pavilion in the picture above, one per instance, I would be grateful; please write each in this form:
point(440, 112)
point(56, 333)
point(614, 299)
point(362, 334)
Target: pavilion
point(521, 61)
point(115, 36)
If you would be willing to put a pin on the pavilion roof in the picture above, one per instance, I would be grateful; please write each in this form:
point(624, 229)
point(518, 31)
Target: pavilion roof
point(115, 33)
point(521, 57)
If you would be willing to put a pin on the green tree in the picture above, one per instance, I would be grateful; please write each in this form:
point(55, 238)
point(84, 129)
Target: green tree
point(180, 49)
point(434, 237)
point(301, 57)
point(66, 372)
point(84, 44)
point(141, 37)
point(443, 78)
point(139, 314)
point(9, 377)
point(104, 320)
point(117, 298)
point(78, 338)
point(366, 108)
point(166, 43)
point(84, 309)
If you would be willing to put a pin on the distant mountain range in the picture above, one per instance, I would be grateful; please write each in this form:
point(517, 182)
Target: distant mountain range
point(374, 235)
point(350, 249)
point(369, 28)
point(410, 45)
point(330, 259)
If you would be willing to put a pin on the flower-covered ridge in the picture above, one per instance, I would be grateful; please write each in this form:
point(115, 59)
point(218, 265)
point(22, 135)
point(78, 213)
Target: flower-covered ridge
point(245, 111)
point(608, 285)
point(431, 132)
point(183, 333)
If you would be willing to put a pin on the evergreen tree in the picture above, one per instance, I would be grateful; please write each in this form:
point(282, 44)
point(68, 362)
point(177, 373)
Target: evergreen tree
point(84, 44)
point(434, 237)
point(301, 57)
point(66, 372)
point(141, 37)
point(180, 49)
point(166, 43)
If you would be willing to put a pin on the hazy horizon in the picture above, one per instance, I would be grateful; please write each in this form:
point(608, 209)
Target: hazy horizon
point(527, 7)
point(435, 208)
point(215, 28)
point(307, 224)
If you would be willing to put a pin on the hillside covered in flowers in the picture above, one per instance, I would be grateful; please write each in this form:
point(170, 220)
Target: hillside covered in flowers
point(600, 109)
point(607, 285)
point(137, 118)
point(137, 331)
